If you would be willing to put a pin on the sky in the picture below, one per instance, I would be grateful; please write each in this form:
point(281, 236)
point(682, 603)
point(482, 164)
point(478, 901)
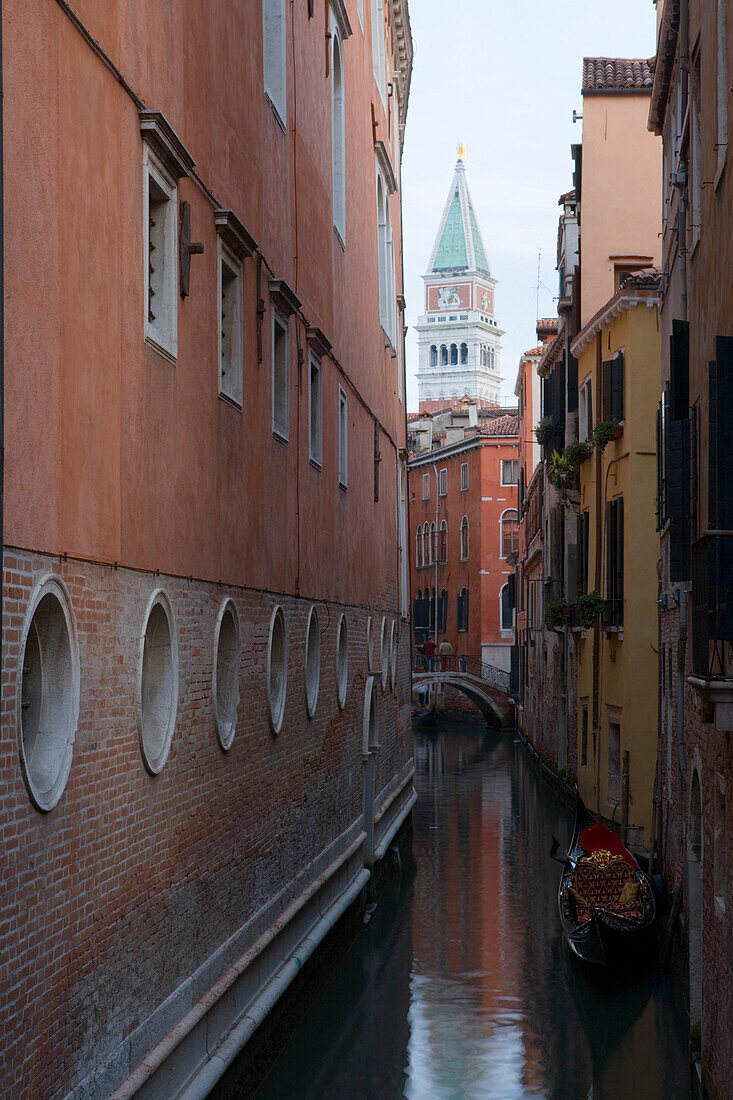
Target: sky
point(504, 78)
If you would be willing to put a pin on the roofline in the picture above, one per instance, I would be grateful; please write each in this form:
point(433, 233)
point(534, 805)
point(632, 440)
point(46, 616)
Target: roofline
point(623, 301)
point(615, 91)
point(458, 448)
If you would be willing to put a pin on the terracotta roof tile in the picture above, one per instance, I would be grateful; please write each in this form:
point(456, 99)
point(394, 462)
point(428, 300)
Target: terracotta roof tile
point(619, 74)
point(502, 425)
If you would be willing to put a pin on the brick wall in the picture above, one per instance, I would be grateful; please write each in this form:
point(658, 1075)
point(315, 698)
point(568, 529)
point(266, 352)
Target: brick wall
point(133, 881)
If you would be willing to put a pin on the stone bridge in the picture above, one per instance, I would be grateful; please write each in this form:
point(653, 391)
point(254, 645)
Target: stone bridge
point(485, 685)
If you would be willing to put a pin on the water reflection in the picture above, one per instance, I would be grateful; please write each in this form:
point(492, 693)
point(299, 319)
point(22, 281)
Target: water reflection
point(461, 985)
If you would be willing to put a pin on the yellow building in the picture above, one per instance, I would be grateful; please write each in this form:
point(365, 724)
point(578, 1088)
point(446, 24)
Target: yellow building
point(618, 354)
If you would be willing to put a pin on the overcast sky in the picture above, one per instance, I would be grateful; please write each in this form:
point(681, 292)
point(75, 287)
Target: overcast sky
point(504, 78)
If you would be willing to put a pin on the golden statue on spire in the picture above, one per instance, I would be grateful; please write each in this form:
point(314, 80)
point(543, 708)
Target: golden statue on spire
point(462, 151)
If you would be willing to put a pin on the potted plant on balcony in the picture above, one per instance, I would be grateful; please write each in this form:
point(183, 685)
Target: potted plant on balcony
point(543, 430)
point(605, 431)
point(590, 606)
point(563, 470)
point(557, 612)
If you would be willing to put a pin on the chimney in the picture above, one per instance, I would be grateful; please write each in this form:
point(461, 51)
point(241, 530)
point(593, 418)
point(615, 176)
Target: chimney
point(472, 416)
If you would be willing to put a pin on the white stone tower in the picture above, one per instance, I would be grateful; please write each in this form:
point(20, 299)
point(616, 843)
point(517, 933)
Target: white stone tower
point(458, 337)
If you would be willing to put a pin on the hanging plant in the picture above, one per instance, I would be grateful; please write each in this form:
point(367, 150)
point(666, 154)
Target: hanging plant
point(562, 471)
point(605, 431)
point(557, 613)
point(577, 453)
point(590, 606)
point(543, 430)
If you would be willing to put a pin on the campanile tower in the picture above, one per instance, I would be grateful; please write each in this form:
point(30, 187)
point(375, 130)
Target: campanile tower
point(459, 338)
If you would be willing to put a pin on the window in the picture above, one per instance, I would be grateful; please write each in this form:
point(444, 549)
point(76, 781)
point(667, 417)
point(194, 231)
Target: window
point(462, 610)
point(315, 412)
point(464, 539)
point(464, 476)
point(443, 544)
point(312, 662)
point(507, 618)
point(426, 544)
point(612, 397)
point(342, 661)
point(418, 548)
point(157, 685)
point(274, 54)
point(509, 471)
point(49, 694)
point(443, 484)
point(584, 734)
point(509, 533)
point(583, 536)
point(360, 12)
point(433, 544)
point(280, 378)
point(454, 355)
point(277, 669)
point(226, 673)
point(464, 353)
point(443, 355)
point(614, 610)
point(426, 486)
point(378, 50)
point(585, 414)
point(343, 440)
point(338, 139)
point(443, 610)
point(696, 165)
point(614, 762)
point(231, 350)
point(160, 204)
point(433, 355)
point(385, 259)
point(722, 89)
point(384, 653)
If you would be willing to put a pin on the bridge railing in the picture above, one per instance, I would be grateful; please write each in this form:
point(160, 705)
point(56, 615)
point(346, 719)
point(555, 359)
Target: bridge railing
point(490, 674)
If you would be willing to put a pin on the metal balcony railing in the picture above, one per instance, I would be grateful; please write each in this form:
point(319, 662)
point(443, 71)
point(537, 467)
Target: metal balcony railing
point(490, 674)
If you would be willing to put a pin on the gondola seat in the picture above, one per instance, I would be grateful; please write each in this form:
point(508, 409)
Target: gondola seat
point(605, 881)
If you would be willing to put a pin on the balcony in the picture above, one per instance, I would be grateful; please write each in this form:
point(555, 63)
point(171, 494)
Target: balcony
point(711, 618)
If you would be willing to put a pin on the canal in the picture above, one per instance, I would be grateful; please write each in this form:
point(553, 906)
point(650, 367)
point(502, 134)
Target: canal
point(460, 984)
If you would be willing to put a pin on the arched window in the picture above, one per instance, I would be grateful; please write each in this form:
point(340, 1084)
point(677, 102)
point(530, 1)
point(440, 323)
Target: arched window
point(443, 610)
point(454, 355)
point(432, 610)
point(464, 353)
point(509, 532)
point(505, 609)
point(443, 355)
point(464, 539)
point(443, 544)
point(426, 544)
point(418, 551)
point(338, 141)
point(462, 610)
point(433, 355)
point(492, 362)
point(433, 543)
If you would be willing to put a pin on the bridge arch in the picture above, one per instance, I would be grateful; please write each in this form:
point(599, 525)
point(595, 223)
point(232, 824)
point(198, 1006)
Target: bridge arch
point(493, 703)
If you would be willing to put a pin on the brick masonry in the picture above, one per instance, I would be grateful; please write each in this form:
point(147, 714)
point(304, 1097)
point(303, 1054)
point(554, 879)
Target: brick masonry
point(132, 882)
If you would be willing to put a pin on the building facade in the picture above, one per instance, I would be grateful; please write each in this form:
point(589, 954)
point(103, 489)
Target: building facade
point(458, 335)
point(463, 520)
point(206, 678)
point(690, 109)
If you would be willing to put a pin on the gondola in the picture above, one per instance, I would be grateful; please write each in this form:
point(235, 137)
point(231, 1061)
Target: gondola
point(605, 900)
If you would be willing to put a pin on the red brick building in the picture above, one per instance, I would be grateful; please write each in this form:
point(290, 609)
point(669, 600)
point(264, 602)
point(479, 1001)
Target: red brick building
point(206, 682)
point(463, 524)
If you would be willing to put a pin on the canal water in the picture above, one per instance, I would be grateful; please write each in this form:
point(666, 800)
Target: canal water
point(460, 986)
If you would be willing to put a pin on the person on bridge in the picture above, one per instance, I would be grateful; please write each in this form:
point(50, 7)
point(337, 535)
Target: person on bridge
point(445, 649)
point(429, 651)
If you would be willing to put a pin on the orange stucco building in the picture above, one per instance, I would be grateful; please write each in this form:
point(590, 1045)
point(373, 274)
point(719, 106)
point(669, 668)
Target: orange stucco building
point(463, 523)
point(206, 680)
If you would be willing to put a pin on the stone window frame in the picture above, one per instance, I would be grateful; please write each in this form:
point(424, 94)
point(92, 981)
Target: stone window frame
point(50, 584)
point(274, 57)
point(156, 762)
point(393, 655)
point(277, 708)
point(225, 735)
point(342, 662)
point(312, 686)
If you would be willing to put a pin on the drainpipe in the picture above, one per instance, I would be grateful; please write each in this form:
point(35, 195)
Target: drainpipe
point(2, 343)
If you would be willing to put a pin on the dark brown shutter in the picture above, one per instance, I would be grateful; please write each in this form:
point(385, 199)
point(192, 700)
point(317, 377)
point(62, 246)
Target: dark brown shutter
point(678, 499)
point(606, 369)
point(720, 471)
point(617, 387)
point(679, 370)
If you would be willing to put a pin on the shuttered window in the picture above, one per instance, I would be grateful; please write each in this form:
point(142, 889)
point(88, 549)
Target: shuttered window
point(678, 498)
point(614, 610)
point(720, 461)
point(462, 609)
point(583, 523)
point(613, 388)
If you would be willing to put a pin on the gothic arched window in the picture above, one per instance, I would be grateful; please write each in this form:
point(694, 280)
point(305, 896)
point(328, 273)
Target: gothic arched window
point(443, 355)
point(509, 532)
point(464, 539)
point(433, 355)
point(464, 353)
point(454, 355)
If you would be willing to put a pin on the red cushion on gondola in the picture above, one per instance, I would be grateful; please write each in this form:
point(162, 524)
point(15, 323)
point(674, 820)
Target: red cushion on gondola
point(597, 836)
